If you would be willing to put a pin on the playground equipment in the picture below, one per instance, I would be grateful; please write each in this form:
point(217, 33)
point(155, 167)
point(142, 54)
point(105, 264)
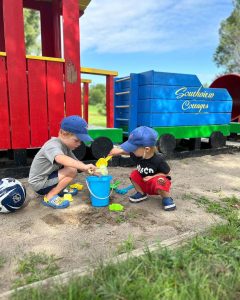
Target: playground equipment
point(177, 106)
point(231, 82)
point(36, 92)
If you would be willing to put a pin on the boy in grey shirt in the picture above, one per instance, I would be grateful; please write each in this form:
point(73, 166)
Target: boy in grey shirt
point(55, 166)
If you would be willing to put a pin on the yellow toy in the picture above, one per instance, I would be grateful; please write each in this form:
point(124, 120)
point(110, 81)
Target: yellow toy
point(77, 186)
point(103, 161)
point(68, 197)
point(102, 164)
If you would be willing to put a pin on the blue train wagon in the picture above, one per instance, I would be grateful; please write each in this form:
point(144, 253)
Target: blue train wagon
point(177, 106)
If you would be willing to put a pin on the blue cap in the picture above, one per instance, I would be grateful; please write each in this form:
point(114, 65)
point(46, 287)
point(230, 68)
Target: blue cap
point(140, 137)
point(77, 126)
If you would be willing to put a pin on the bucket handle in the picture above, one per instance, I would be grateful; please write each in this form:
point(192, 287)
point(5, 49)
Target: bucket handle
point(100, 198)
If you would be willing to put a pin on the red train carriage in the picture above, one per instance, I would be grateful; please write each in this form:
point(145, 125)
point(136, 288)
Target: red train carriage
point(37, 92)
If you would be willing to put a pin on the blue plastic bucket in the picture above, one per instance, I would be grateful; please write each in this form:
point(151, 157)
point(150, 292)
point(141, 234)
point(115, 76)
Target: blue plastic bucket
point(99, 188)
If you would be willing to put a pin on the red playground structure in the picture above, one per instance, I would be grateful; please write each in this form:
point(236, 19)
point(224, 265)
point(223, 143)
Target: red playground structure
point(36, 92)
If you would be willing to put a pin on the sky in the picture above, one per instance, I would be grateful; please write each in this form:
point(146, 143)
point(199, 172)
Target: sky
point(133, 36)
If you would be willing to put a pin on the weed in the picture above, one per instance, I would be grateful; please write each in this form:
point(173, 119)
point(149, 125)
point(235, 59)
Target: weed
point(187, 196)
point(34, 267)
point(120, 219)
point(226, 207)
point(126, 246)
point(2, 261)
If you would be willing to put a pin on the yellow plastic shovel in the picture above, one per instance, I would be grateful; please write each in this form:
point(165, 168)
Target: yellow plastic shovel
point(103, 161)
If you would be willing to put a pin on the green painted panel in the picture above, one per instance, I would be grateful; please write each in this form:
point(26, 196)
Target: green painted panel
point(180, 132)
point(114, 134)
point(234, 127)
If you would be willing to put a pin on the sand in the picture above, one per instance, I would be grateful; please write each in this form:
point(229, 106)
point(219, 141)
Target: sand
point(81, 234)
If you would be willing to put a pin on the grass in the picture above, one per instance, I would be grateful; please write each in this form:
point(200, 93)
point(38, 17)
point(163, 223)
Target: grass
point(126, 246)
point(208, 267)
point(95, 118)
point(2, 261)
point(34, 267)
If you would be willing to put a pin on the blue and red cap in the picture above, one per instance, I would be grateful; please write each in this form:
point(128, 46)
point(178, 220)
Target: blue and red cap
point(77, 126)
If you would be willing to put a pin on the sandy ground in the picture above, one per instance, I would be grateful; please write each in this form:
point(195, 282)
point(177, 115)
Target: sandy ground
point(81, 234)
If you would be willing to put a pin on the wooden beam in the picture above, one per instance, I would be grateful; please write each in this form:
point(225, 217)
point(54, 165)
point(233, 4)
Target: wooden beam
point(16, 73)
point(93, 71)
point(70, 10)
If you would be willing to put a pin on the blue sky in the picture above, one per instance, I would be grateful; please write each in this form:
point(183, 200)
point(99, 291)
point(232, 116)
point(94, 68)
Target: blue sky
point(132, 36)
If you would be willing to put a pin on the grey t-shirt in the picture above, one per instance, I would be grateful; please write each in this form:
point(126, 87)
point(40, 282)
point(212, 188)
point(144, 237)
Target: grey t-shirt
point(44, 164)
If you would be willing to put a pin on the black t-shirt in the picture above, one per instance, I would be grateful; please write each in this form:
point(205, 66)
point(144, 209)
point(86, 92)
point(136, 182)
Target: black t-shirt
point(151, 166)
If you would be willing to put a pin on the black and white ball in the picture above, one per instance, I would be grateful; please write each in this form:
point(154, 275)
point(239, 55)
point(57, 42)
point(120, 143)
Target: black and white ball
point(12, 195)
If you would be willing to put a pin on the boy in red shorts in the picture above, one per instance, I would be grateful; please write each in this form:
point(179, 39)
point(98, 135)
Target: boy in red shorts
point(152, 174)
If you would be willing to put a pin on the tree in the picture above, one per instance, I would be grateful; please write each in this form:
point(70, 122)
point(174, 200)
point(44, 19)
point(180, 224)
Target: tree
point(227, 54)
point(97, 94)
point(32, 31)
point(97, 97)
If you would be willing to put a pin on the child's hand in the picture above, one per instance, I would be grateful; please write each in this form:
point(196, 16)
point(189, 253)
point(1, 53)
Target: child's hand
point(90, 169)
point(147, 178)
point(115, 151)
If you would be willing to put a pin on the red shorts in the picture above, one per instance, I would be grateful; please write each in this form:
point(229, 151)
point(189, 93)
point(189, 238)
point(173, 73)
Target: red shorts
point(151, 186)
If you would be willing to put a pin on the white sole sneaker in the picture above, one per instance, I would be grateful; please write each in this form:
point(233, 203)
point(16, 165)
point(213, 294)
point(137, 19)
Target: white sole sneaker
point(138, 200)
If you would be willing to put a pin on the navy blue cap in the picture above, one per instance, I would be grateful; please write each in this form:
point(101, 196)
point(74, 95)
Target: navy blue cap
point(140, 137)
point(77, 126)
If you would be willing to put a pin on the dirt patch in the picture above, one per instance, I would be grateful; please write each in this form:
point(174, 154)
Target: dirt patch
point(91, 216)
point(82, 234)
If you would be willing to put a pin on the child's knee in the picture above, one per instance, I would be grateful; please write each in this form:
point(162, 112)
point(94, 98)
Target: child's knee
point(71, 172)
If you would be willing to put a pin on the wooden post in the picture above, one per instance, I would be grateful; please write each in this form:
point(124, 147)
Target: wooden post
point(50, 29)
point(56, 11)
point(16, 70)
point(70, 10)
point(2, 41)
point(85, 100)
point(110, 101)
point(47, 35)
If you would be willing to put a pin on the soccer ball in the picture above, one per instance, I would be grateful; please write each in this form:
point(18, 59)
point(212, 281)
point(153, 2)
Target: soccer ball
point(12, 195)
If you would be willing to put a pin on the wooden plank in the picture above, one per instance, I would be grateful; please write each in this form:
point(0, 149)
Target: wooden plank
point(85, 70)
point(4, 124)
point(16, 70)
point(163, 78)
point(47, 33)
point(110, 101)
point(85, 100)
point(2, 41)
point(70, 10)
point(183, 93)
point(37, 89)
point(176, 119)
point(133, 103)
point(55, 93)
point(183, 106)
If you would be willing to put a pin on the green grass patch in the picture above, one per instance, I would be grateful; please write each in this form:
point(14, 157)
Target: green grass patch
point(34, 267)
point(95, 118)
point(208, 267)
point(126, 246)
point(2, 261)
point(227, 207)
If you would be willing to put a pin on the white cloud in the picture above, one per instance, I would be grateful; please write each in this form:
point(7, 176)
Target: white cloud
point(127, 26)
